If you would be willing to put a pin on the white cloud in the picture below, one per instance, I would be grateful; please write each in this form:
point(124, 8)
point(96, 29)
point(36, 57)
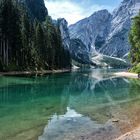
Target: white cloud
point(68, 10)
point(71, 11)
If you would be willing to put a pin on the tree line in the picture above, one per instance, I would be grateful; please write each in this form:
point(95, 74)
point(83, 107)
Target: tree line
point(134, 39)
point(27, 44)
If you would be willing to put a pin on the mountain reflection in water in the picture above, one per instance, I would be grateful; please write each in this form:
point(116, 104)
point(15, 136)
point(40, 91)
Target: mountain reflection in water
point(79, 105)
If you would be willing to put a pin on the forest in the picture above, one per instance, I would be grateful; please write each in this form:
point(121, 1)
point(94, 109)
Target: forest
point(27, 43)
point(134, 39)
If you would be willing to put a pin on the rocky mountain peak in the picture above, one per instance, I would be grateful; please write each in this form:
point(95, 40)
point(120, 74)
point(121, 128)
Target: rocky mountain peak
point(88, 29)
point(99, 13)
point(103, 34)
point(117, 44)
point(63, 26)
point(108, 33)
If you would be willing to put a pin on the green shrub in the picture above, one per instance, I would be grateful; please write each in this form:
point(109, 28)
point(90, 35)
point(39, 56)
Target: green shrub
point(136, 68)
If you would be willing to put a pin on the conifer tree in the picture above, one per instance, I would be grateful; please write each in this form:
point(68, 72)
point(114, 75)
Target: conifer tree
point(27, 44)
point(40, 44)
point(10, 30)
point(135, 40)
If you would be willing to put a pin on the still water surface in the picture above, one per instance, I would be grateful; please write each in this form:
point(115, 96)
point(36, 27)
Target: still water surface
point(83, 105)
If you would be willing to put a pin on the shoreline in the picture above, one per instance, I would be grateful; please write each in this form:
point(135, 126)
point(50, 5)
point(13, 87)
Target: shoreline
point(131, 135)
point(126, 74)
point(28, 73)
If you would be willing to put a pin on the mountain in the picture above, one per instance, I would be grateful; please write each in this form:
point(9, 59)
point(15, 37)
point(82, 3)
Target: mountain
point(105, 35)
point(82, 55)
point(91, 28)
point(36, 9)
point(116, 43)
point(63, 26)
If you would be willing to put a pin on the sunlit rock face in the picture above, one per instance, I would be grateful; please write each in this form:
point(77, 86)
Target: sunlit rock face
point(63, 26)
point(117, 43)
point(76, 47)
point(88, 29)
point(107, 32)
point(82, 55)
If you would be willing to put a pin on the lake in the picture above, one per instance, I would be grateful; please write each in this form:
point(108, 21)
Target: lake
point(81, 105)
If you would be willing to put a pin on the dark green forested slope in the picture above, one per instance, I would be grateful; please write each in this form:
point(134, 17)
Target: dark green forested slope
point(28, 42)
point(135, 43)
point(36, 9)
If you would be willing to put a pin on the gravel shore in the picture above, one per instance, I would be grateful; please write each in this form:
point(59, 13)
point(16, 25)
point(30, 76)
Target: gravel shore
point(132, 135)
point(126, 74)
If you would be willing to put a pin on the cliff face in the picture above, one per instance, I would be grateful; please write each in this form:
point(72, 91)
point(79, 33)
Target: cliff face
point(81, 54)
point(117, 43)
point(91, 28)
point(63, 26)
point(108, 33)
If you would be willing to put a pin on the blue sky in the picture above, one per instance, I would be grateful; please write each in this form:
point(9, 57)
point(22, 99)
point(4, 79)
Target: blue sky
point(75, 10)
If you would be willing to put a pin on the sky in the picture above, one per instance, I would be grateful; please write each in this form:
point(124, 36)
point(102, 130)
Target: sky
point(75, 10)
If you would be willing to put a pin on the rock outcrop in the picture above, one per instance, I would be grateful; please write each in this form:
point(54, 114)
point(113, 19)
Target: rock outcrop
point(106, 32)
point(117, 43)
point(83, 55)
point(63, 26)
point(91, 28)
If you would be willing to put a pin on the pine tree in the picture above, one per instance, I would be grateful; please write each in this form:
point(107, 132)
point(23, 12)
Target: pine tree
point(135, 40)
point(26, 44)
point(25, 32)
point(10, 30)
point(49, 41)
point(40, 44)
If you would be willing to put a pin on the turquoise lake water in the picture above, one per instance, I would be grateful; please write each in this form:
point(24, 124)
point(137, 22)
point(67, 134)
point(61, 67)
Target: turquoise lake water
point(82, 105)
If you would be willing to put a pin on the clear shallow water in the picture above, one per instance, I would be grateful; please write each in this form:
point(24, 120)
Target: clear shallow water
point(91, 105)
